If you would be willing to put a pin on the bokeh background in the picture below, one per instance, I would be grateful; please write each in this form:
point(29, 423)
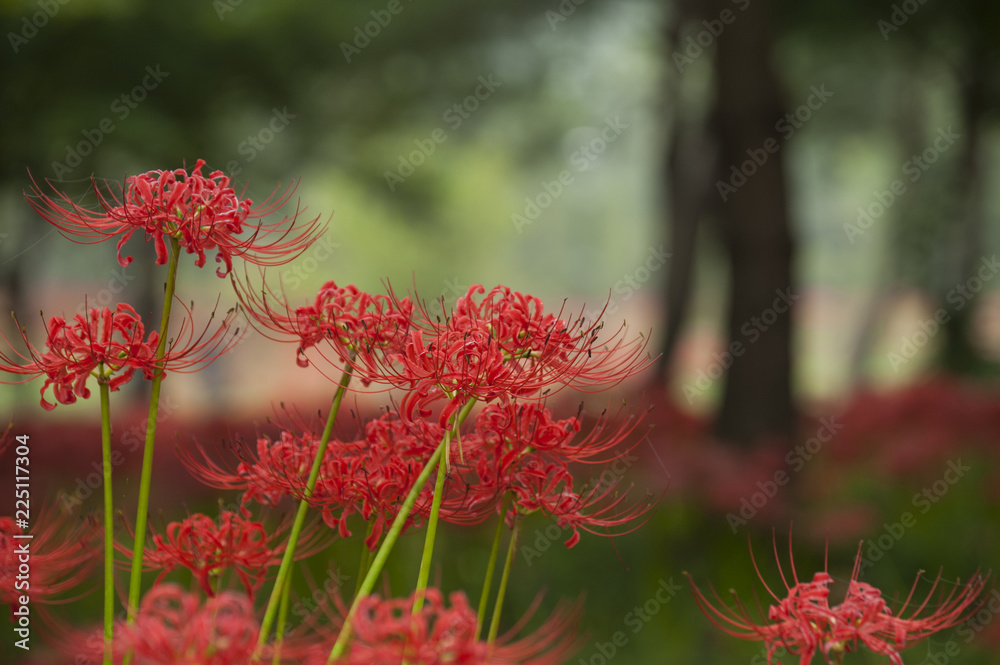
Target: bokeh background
point(810, 182)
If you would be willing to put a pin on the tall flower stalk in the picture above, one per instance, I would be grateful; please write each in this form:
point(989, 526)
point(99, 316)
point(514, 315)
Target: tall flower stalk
point(504, 579)
point(300, 515)
point(109, 524)
point(491, 565)
point(432, 523)
point(382, 555)
point(146, 475)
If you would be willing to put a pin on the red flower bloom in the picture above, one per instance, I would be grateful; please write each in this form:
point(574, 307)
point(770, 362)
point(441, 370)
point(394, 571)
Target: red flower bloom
point(110, 345)
point(803, 621)
point(208, 547)
point(523, 450)
point(866, 618)
point(61, 558)
point(174, 628)
point(519, 448)
point(351, 322)
point(506, 346)
point(386, 633)
point(370, 476)
point(203, 214)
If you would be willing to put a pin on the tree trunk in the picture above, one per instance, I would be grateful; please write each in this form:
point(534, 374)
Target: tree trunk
point(958, 353)
point(690, 162)
point(757, 400)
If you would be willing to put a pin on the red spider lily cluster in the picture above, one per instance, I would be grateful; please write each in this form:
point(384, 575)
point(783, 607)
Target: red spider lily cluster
point(493, 356)
point(804, 623)
point(518, 448)
point(501, 347)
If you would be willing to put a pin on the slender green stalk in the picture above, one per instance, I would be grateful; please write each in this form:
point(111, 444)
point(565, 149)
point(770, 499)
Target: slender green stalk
point(432, 522)
point(109, 521)
point(484, 598)
point(393, 534)
point(135, 580)
point(300, 515)
point(498, 608)
point(366, 559)
point(282, 618)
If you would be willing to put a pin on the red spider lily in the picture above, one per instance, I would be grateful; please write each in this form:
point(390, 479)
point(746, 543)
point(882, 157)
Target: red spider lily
point(549, 488)
point(344, 318)
point(203, 214)
point(866, 617)
point(526, 452)
point(209, 547)
point(173, 627)
point(60, 559)
point(369, 477)
point(387, 633)
point(111, 345)
point(803, 621)
point(506, 346)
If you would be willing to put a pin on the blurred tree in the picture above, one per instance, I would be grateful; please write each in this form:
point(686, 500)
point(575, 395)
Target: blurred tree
point(705, 159)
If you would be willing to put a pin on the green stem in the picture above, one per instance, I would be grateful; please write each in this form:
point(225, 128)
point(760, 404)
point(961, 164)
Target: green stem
point(498, 608)
point(300, 515)
point(366, 559)
point(282, 617)
point(135, 580)
point(109, 522)
point(491, 566)
point(393, 534)
point(432, 522)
